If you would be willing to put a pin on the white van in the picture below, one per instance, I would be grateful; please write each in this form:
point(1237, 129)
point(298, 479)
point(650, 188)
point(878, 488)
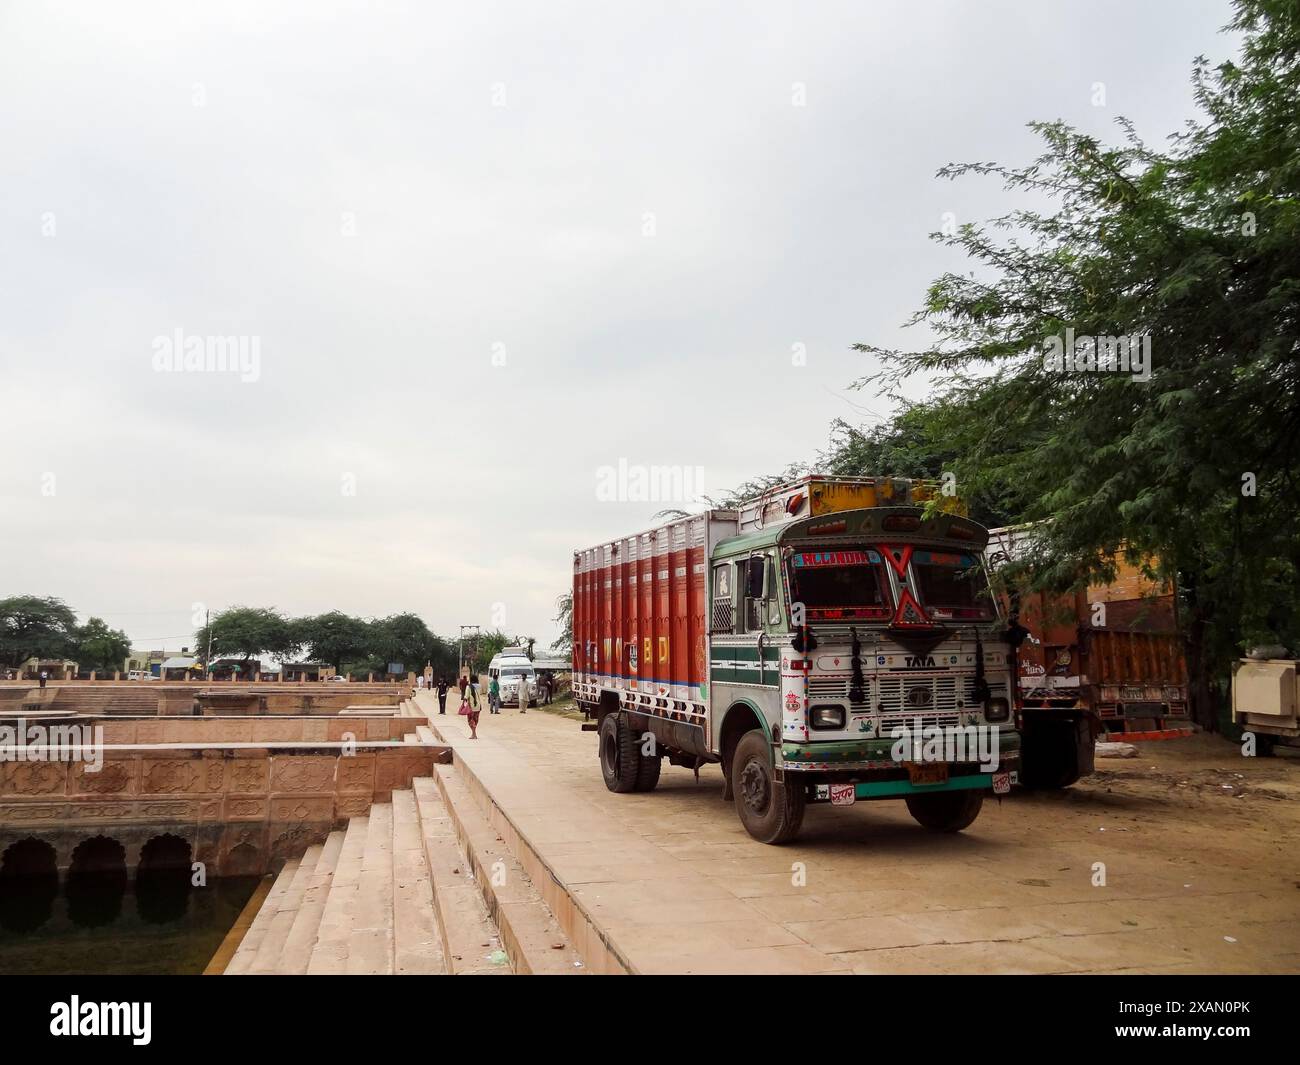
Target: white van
point(511, 667)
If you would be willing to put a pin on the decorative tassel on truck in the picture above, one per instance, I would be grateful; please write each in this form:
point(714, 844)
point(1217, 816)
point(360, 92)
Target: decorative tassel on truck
point(830, 641)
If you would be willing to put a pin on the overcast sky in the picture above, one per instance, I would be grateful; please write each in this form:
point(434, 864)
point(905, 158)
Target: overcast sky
point(483, 250)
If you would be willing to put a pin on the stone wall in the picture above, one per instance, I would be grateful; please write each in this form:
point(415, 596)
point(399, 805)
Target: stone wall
point(243, 810)
point(180, 698)
point(222, 730)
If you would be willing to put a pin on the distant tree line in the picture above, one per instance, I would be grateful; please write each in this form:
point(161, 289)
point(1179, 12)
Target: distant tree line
point(46, 628)
point(34, 626)
point(350, 644)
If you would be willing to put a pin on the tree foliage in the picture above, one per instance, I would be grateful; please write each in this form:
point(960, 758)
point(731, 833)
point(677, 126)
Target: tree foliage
point(99, 647)
point(247, 632)
point(333, 637)
point(564, 615)
point(33, 626)
point(1196, 247)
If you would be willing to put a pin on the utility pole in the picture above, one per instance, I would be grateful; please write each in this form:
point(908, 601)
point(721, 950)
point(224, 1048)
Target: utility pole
point(207, 624)
point(460, 643)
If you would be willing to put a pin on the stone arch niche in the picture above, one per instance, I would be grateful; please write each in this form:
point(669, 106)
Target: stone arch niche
point(29, 884)
point(162, 879)
point(96, 882)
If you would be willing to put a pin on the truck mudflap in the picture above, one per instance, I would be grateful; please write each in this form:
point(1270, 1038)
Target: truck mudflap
point(1057, 747)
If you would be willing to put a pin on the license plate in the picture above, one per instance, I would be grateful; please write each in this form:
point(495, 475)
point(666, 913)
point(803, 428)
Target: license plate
point(927, 772)
point(843, 795)
point(1001, 783)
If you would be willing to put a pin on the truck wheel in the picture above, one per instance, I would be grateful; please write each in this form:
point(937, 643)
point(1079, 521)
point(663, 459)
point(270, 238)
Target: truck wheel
point(647, 771)
point(770, 810)
point(946, 811)
point(619, 757)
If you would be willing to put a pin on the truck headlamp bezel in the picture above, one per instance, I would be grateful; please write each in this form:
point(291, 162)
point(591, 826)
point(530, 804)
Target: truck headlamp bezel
point(838, 719)
point(997, 710)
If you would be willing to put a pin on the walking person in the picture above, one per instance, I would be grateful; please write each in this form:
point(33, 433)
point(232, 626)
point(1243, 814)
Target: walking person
point(442, 695)
point(44, 677)
point(470, 714)
point(473, 690)
point(523, 693)
point(494, 696)
point(462, 683)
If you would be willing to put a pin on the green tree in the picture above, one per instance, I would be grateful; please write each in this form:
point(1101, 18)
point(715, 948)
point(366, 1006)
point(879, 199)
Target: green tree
point(904, 446)
point(564, 615)
point(333, 637)
point(101, 648)
point(402, 638)
point(1196, 247)
point(487, 646)
point(32, 626)
point(248, 632)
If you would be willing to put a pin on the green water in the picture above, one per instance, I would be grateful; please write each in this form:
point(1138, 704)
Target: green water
point(108, 925)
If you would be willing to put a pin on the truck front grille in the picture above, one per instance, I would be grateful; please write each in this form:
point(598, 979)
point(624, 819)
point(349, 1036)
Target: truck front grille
point(920, 695)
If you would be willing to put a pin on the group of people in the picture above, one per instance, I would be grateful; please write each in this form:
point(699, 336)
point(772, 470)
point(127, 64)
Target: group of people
point(469, 697)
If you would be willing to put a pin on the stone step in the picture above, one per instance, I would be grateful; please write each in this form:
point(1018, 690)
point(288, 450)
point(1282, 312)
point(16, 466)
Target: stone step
point(589, 933)
point(262, 921)
point(277, 934)
point(417, 943)
point(330, 954)
point(306, 925)
point(470, 942)
point(370, 944)
point(530, 935)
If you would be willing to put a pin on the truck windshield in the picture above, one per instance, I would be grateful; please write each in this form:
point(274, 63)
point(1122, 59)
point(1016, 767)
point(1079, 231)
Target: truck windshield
point(839, 585)
point(951, 584)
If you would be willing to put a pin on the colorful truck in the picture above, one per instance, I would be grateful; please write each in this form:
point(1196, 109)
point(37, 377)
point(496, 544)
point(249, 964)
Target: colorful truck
point(1104, 659)
point(828, 642)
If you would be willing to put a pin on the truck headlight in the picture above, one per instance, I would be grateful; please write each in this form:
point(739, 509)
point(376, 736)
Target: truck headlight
point(997, 710)
point(827, 716)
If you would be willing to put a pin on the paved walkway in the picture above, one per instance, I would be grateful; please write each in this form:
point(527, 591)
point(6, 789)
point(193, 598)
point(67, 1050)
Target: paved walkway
point(677, 885)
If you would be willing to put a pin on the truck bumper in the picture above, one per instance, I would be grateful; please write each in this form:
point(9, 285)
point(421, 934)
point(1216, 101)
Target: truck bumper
point(844, 758)
point(884, 789)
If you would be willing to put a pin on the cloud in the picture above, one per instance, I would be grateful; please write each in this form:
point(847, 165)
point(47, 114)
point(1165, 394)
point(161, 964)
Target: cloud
point(484, 251)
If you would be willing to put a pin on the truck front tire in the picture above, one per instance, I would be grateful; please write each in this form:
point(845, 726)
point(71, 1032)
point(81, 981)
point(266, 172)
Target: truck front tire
point(620, 760)
point(770, 810)
point(946, 811)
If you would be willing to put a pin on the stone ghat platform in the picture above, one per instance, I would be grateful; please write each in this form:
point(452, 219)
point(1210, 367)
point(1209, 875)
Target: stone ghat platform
point(228, 730)
point(175, 698)
point(244, 807)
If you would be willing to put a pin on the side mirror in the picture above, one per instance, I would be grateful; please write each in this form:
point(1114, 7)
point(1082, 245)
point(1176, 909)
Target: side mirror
point(756, 578)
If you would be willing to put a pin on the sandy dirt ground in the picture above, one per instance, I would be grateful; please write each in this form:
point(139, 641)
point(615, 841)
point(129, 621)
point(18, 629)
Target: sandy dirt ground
point(1184, 859)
